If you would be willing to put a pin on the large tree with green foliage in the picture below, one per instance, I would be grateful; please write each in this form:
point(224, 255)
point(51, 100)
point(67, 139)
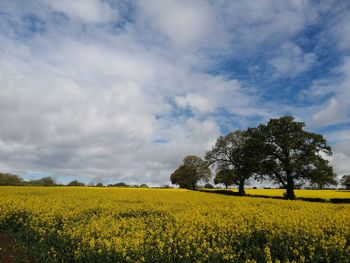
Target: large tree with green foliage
point(345, 181)
point(75, 183)
point(232, 152)
point(193, 170)
point(322, 175)
point(226, 177)
point(10, 179)
point(290, 155)
point(45, 181)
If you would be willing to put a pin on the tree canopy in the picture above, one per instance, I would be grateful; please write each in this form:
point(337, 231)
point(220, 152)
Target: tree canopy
point(15, 180)
point(233, 153)
point(45, 181)
point(193, 170)
point(10, 179)
point(75, 183)
point(322, 175)
point(289, 155)
point(226, 177)
point(345, 181)
point(281, 151)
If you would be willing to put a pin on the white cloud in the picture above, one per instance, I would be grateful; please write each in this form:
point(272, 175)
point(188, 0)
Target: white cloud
point(90, 95)
point(292, 61)
point(90, 11)
point(336, 109)
point(197, 102)
point(341, 148)
point(92, 110)
point(183, 22)
point(340, 28)
point(254, 25)
point(333, 113)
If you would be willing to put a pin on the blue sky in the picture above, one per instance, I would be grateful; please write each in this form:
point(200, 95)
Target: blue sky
point(114, 91)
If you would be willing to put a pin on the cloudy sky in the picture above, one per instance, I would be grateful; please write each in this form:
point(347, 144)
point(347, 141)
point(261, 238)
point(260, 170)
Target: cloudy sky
point(103, 90)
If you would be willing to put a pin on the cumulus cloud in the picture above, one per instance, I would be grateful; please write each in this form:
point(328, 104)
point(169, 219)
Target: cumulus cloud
point(90, 11)
point(333, 113)
point(292, 61)
point(341, 148)
point(336, 109)
point(183, 22)
point(122, 91)
point(340, 28)
point(197, 102)
point(79, 106)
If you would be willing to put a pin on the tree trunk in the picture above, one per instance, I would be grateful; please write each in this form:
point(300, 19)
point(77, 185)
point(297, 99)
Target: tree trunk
point(290, 188)
point(194, 186)
point(241, 190)
point(226, 186)
point(290, 182)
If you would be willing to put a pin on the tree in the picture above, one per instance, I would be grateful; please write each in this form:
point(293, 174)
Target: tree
point(193, 170)
point(208, 186)
point(232, 152)
point(75, 183)
point(99, 185)
point(290, 155)
point(226, 177)
point(48, 181)
point(45, 181)
point(121, 184)
point(10, 179)
point(322, 176)
point(345, 181)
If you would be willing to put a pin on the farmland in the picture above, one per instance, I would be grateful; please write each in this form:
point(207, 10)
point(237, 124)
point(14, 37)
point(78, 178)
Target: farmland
point(81, 224)
point(323, 194)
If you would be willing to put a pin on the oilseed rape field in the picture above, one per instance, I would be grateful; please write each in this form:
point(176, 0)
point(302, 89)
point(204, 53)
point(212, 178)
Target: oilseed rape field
point(86, 224)
point(324, 194)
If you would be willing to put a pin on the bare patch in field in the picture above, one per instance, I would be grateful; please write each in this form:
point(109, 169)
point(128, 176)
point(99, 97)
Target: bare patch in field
point(7, 251)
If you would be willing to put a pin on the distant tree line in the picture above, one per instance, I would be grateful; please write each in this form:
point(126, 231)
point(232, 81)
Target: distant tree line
point(122, 184)
point(7, 179)
point(15, 180)
point(280, 151)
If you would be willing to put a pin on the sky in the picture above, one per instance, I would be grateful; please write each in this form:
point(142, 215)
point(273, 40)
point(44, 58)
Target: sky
point(121, 91)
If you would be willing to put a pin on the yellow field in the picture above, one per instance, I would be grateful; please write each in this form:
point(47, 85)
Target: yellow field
point(325, 194)
point(155, 225)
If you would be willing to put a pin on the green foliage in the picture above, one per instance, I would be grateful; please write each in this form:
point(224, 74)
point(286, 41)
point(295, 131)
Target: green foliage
point(209, 186)
point(232, 152)
point(45, 181)
point(15, 180)
point(184, 177)
point(121, 184)
point(345, 181)
point(226, 177)
point(10, 179)
point(75, 183)
point(289, 155)
point(191, 172)
point(322, 175)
